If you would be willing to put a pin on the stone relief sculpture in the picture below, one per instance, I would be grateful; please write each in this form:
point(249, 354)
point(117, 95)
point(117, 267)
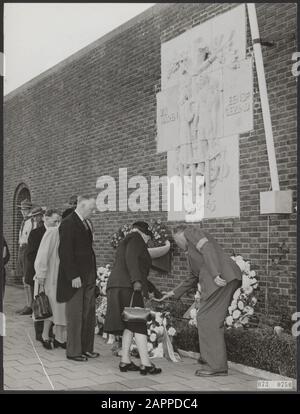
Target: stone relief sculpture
point(195, 62)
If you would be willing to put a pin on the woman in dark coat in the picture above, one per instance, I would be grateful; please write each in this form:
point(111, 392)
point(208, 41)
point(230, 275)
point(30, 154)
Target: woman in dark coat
point(128, 279)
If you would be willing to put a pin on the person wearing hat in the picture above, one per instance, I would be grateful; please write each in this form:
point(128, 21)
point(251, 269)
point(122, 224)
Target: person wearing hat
point(27, 225)
point(219, 277)
point(34, 240)
point(128, 280)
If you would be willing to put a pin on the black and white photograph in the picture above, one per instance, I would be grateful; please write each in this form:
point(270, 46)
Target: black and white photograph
point(149, 207)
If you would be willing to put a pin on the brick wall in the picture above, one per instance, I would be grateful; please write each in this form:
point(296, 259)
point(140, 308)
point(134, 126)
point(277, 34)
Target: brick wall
point(96, 113)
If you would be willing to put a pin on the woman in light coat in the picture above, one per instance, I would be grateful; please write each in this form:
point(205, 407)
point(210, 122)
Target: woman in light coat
point(46, 268)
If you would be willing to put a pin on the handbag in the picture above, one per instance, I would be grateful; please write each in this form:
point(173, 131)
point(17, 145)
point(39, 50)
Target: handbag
point(136, 314)
point(41, 306)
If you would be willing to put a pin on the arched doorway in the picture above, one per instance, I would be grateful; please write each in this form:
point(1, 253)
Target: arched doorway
point(22, 192)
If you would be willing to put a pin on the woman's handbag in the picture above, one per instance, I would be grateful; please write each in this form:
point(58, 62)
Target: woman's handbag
point(136, 314)
point(41, 306)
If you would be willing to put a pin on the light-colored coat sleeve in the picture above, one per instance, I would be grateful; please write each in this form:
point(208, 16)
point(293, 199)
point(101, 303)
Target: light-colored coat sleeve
point(41, 264)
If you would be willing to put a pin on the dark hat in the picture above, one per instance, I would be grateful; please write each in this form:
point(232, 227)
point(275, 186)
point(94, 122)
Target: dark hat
point(25, 204)
point(37, 211)
point(143, 227)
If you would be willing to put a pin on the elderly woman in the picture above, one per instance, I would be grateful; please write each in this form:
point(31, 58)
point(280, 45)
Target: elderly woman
point(128, 280)
point(46, 268)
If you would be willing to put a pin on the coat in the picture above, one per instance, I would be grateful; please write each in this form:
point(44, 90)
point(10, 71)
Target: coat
point(34, 240)
point(76, 255)
point(206, 259)
point(132, 263)
point(46, 267)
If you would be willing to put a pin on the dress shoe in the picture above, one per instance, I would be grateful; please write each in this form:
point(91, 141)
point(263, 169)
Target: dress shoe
point(91, 354)
point(80, 358)
point(58, 344)
point(208, 372)
point(144, 370)
point(47, 344)
point(128, 367)
point(26, 311)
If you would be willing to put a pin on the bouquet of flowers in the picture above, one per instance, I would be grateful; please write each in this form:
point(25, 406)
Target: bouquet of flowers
point(160, 234)
point(101, 302)
point(160, 330)
point(244, 300)
point(159, 230)
point(102, 277)
point(120, 235)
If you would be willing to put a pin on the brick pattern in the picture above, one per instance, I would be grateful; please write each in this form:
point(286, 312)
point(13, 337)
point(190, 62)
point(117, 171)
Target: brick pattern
point(97, 114)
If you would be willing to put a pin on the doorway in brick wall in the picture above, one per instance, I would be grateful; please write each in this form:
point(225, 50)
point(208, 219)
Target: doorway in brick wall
point(22, 193)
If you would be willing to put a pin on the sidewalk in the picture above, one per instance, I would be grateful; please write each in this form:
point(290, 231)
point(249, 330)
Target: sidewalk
point(28, 366)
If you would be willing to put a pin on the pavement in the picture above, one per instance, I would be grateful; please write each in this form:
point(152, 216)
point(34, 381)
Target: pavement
point(28, 366)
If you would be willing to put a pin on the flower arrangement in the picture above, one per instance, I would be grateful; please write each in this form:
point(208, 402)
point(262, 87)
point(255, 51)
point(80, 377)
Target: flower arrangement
point(101, 302)
point(102, 278)
point(244, 300)
point(157, 328)
point(159, 230)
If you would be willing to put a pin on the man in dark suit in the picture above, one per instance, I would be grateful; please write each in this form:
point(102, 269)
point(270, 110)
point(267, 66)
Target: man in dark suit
point(219, 277)
point(77, 279)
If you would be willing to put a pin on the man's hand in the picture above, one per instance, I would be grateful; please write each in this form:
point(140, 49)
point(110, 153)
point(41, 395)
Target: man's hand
point(76, 283)
point(166, 295)
point(137, 286)
point(220, 281)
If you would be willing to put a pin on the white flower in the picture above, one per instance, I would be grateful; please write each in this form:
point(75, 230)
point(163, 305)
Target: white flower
point(193, 313)
point(231, 309)
point(246, 281)
point(254, 301)
point(101, 269)
point(192, 322)
point(240, 305)
point(249, 310)
point(238, 324)
point(153, 337)
point(252, 273)
point(234, 304)
point(237, 294)
point(236, 314)
point(248, 290)
point(159, 330)
point(158, 318)
point(171, 331)
point(229, 320)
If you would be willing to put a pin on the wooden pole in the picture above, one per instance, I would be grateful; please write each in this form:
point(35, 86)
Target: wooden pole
point(263, 95)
